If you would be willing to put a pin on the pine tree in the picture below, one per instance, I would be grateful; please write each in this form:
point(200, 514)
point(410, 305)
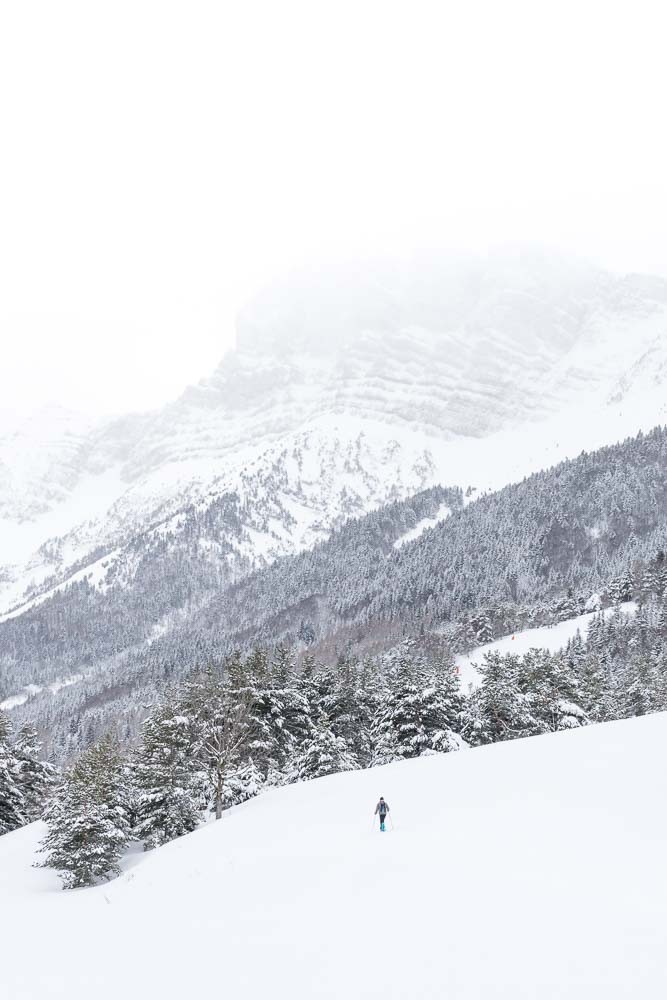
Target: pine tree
point(382, 742)
point(475, 728)
point(36, 777)
point(551, 691)
point(638, 688)
point(344, 701)
point(322, 753)
point(575, 651)
point(596, 694)
point(259, 691)
point(374, 738)
point(223, 729)
point(282, 667)
point(88, 818)
point(566, 607)
point(241, 784)
point(424, 708)
point(12, 800)
point(620, 589)
point(661, 572)
point(482, 628)
point(281, 714)
point(501, 711)
point(168, 778)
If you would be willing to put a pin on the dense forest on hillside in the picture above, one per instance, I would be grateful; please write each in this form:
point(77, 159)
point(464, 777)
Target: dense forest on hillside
point(574, 528)
point(531, 553)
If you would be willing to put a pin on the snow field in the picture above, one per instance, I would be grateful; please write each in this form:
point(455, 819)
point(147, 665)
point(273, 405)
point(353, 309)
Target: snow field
point(523, 870)
point(550, 637)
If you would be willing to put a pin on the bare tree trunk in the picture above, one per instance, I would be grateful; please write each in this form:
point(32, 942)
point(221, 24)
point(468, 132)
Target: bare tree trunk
point(218, 796)
point(226, 746)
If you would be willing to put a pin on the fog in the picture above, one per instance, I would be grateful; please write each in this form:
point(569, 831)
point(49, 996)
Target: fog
point(164, 161)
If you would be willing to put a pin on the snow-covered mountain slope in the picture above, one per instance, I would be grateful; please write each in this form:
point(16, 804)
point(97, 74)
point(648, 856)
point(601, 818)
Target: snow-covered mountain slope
point(441, 514)
point(550, 637)
point(525, 869)
point(347, 390)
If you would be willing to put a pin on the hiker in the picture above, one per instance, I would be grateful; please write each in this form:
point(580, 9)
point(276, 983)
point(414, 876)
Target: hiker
point(381, 810)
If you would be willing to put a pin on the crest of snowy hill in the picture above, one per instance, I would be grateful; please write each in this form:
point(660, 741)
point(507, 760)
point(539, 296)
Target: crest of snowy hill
point(531, 868)
point(349, 388)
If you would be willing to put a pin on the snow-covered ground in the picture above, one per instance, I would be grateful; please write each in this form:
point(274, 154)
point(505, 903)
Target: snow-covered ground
point(549, 637)
point(441, 514)
point(532, 869)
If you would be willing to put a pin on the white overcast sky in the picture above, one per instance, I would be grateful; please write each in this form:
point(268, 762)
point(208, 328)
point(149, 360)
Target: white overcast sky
point(159, 161)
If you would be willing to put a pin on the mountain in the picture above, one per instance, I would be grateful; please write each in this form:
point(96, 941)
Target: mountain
point(443, 573)
point(349, 388)
point(529, 868)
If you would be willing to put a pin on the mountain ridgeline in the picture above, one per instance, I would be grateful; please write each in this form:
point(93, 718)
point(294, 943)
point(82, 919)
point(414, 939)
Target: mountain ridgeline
point(533, 552)
point(348, 388)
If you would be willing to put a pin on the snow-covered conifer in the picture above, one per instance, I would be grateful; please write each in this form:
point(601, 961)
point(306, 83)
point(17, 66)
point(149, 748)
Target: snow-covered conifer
point(423, 708)
point(551, 691)
point(500, 708)
point(36, 777)
point(242, 783)
point(88, 818)
point(382, 741)
point(12, 800)
point(321, 754)
point(168, 778)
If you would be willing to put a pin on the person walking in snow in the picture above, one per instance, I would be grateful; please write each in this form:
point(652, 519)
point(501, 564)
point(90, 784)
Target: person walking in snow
point(381, 810)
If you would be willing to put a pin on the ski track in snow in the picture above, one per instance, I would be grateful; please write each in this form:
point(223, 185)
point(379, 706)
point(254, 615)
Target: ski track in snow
point(525, 869)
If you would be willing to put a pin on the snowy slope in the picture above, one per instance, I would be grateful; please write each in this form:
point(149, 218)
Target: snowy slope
point(550, 637)
point(427, 522)
point(349, 389)
point(527, 869)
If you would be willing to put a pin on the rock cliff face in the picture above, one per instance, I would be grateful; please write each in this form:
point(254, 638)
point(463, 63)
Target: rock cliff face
point(347, 389)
